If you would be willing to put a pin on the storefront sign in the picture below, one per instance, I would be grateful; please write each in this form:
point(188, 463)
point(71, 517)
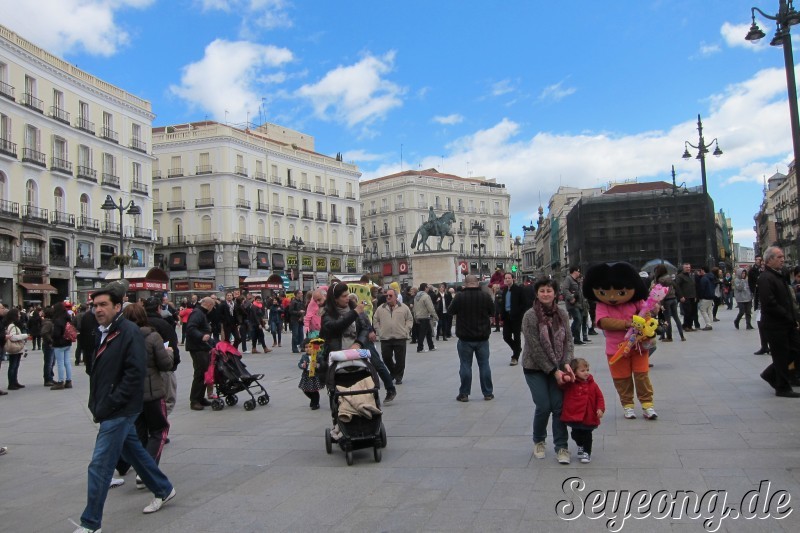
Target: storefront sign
point(308, 261)
point(322, 264)
point(336, 264)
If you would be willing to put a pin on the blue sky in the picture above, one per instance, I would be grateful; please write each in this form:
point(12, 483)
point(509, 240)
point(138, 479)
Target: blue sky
point(535, 94)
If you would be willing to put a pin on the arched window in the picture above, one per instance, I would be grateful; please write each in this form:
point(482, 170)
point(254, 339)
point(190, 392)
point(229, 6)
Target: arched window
point(320, 236)
point(85, 206)
point(242, 226)
point(177, 227)
point(58, 200)
point(351, 239)
point(31, 193)
point(157, 228)
point(306, 234)
point(205, 225)
point(334, 237)
point(262, 228)
point(276, 230)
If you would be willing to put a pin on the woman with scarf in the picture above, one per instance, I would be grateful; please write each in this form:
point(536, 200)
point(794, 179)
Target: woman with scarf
point(546, 354)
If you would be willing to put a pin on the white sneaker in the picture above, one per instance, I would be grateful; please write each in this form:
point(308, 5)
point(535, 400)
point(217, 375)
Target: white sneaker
point(158, 503)
point(650, 413)
point(586, 458)
point(139, 483)
point(539, 450)
point(116, 482)
point(86, 530)
point(630, 414)
point(580, 453)
point(563, 456)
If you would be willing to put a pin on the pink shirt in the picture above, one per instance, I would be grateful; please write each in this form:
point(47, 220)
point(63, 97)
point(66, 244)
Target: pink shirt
point(622, 311)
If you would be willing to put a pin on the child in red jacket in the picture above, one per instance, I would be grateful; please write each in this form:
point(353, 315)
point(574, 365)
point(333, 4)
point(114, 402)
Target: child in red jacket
point(582, 408)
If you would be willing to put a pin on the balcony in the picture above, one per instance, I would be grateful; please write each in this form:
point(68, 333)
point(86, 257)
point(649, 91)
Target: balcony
point(9, 209)
point(277, 210)
point(139, 188)
point(176, 205)
point(87, 223)
point(262, 208)
point(260, 176)
point(35, 214)
point(31, 257)
point(177, 239)
point(84, 125)
point(7, 91)
point(110, 180)
point(109, 134)
point(399, 205)
point(263, 240)
point(28, 100)
point(352, 222)
point(291, 183)
point(241, 203)
point(202, 169)
point(276, 180)
point(87, 173)
point(307, 215)
point(321, 217)
point(205, 238)
point(385, 232)
point(319, 190)
point(59, 260)
point(373, 212)
point(138, 145)
point(400, 230)
point(305, 187)
point(333, 192)
point(60, 165)
point(336, 220)
point(175, 173)
point(111, 227)
point(384, 209)
point(373, 234)
point(142, 233)
point(8, 148)
point(84, 262)
point(278, 241)
point(59, 218)
point(203, 202)
point(290, 212)
point(59, 114)
point(241, 171)
point(335, 247)
point(158, 207)
point(156, 174)
point(350, 195)
point(499, 233)
point(244, 238)
point(29, 155)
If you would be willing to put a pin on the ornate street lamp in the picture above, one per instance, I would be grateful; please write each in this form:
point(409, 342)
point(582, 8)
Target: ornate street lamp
point(133, 210)
point(479, 229)
point(297, 243)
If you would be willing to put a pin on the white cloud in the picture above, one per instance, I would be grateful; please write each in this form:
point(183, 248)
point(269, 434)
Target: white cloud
point(228, 78)
point(449, 120)
point(266, 14)
point(355, 94)
point(734, 34)
point(707, 50)
point(64, 26)
point(502, 87)
point(361, 155)
point(556, 92)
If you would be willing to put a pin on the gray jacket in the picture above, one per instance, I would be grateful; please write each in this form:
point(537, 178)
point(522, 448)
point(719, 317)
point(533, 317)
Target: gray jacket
point(423, 306)
point(741, 289)
point(158, 360)
point(533, 355)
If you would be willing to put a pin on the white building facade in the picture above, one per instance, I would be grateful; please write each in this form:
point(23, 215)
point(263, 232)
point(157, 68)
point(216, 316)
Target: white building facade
point(67, 140)
point(395, 206)
point(232, 205)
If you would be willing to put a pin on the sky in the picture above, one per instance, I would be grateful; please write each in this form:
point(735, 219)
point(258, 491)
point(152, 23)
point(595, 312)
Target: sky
point(530, 93)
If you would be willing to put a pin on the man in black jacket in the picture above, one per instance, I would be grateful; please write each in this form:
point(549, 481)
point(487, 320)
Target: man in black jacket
point(513, 310)
point(169, 335)
point(87, 336)
point(780, 322)
point(198, 335)
point(473, 309)
point(116, 392)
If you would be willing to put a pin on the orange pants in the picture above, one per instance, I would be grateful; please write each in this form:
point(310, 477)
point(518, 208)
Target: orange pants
point(631, 374)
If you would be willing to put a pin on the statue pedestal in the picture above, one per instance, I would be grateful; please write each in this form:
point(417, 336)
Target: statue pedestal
point(434, 267)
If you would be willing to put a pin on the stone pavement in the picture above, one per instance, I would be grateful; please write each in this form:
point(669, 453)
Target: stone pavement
point(448, 466)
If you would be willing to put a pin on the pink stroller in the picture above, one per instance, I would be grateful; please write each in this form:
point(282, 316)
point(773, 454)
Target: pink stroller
point(229, 375)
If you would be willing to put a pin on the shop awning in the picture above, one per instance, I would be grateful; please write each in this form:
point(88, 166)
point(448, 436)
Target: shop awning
point(39, 288)
point(143, 279)
point(274, 282)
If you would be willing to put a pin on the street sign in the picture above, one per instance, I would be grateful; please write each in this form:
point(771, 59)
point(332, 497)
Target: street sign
point(220, 288)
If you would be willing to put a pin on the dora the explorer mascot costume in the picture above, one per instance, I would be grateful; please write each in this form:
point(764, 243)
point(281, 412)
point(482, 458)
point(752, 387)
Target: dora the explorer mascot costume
point(620, 292)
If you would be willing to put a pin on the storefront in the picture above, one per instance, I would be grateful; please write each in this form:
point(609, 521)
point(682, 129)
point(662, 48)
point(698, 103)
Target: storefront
point(263, 285)
point(36, 293)
point(143, 281)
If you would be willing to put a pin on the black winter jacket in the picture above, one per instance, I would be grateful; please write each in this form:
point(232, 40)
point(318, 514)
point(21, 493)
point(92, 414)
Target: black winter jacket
point(196, 328)
point(59, 324)
point(474, 308)
point(167, 332)
point(775, 296)
point(116, 383)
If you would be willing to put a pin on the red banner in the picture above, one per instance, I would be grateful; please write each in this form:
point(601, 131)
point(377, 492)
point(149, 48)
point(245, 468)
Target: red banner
point(144, 285)
point(403, 267)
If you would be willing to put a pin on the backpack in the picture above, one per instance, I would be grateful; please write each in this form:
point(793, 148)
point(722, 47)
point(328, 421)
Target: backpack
point(70, 333)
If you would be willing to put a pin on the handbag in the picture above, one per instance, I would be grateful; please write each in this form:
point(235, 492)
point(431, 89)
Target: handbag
point(11, 346)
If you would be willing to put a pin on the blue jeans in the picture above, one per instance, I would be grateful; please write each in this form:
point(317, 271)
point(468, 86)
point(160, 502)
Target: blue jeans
point(481, 351)
point(49, 361)
point(297, 335)
point(13, 368)
point(63, 362)
point(547, 398)
point(117, 438)
point(577, 320)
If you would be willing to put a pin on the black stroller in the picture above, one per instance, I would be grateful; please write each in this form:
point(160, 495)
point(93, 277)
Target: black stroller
point(354, 429)
point(230, 376)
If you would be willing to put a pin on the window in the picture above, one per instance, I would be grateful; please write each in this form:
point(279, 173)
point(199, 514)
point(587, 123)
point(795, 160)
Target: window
point(32, 137)
point(136, 132)
point(349, 190)
point(59, 147)
point(5, 130)
point(136, 173)
point(3, 73)
point(240, 191)
point(205, 225)
point(275, 200)
point(176, 194)
point(262, 228)
point(386, 247)
point(177, 227)
point(109, 165)
point(30, 86)
point(259, 168)
point(58, 102)
point(58, 200)
point(290, 203)
point(319, 209)
point(83, 110)
point(274, 170)
point(333, 212)
point(156, 196)
point(276, 231)
point(239, 162)
point(403, 247)
point(84, 205)
point(260, 194)
point(31, 196)
point(205, 190)
point(108, 121)
point(84, 156)
point(242, 226)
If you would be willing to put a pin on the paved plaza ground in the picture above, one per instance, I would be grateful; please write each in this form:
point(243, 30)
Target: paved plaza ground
point(448, 466)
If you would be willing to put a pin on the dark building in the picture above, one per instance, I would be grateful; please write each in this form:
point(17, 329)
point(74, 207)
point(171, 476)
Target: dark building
point(638, 222)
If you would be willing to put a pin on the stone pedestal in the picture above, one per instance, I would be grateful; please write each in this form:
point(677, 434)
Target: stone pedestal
point(434, 267)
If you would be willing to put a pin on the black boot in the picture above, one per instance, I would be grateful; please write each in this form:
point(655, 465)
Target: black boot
point(764, 345)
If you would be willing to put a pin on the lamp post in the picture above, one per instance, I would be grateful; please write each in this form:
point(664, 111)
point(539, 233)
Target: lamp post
point(478, 228)
point(133, 210)
point(517, 245)
point(702, 149)
point(677, 215)
point(297, 243)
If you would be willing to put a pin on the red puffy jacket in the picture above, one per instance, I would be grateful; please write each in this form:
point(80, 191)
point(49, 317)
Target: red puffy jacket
point(582, 399)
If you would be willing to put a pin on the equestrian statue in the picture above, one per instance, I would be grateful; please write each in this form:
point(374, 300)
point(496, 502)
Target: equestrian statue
point(435, 227)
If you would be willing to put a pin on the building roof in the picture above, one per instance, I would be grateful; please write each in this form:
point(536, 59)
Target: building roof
point(638, 187)
point(431, 173)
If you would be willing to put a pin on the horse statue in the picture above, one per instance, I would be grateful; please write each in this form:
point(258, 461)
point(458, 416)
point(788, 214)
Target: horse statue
point(440, 227)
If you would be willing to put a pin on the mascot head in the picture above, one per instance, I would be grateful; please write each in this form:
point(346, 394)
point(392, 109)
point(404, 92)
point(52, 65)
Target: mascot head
point(613, 284)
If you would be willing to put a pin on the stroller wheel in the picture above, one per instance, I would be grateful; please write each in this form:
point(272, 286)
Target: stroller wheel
point(249, 405)
point(376, 451)
point(232, 399)
point(328, 441)
point(263, 399)
point(217, 405)
point(383, 436)
point(348, 455)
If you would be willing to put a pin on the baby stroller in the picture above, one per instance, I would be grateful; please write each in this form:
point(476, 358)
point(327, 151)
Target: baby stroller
point(229, 375)
point(355, 406)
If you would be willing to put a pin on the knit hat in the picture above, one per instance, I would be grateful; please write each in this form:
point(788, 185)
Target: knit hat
point(116, 290)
